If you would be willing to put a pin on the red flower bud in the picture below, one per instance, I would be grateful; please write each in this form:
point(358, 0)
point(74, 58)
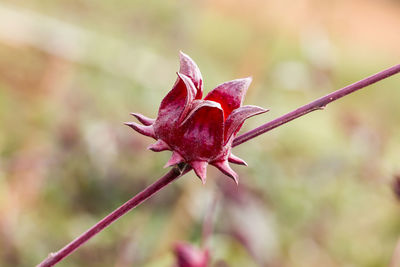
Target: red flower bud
point(189, 256)
point(199, 131)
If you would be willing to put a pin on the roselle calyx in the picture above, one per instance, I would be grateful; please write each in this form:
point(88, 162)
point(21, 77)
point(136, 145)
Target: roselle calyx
point(199, 131)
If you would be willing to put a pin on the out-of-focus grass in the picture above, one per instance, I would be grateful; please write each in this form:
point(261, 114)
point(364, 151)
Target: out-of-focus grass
point(317, 191)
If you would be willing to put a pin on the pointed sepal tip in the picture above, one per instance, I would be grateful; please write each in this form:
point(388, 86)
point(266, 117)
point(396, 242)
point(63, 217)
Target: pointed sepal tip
point(142, 129)
point(143, 119)
point(200, 168)
point(224, 167)
point(176, 158)
point(236, 160)
point(159, 146)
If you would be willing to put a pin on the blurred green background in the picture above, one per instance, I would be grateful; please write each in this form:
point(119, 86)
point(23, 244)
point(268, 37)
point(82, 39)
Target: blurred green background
point(317, 191)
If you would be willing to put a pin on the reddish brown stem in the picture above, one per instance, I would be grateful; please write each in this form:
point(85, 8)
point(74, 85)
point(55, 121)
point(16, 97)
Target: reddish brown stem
point(178, 171)
point(315, 105)
point(172, 175)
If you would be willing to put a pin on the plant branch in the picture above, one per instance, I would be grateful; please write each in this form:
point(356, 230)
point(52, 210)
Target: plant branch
point(315, 105)
point(172, 175)
point(181, 169)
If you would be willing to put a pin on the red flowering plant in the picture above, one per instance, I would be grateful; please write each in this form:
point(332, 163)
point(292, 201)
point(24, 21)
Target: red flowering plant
point(199, 131)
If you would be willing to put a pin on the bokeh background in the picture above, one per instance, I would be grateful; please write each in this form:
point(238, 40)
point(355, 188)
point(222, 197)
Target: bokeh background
point(318, 191)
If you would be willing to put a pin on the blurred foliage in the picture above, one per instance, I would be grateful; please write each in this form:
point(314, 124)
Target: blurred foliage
point(317, 191)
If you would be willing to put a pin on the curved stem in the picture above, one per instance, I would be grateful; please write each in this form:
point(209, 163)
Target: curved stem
point(315, 105)
point(172, 175)
point(180, 169)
